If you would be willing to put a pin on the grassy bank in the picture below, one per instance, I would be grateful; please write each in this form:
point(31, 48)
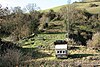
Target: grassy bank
point(42, 39)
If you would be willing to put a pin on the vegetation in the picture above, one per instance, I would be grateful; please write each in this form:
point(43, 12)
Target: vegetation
point(17, 24)
point(35, 32)
point(81, 6)
point(13, 58)
point(95, 42)
point(43, 40)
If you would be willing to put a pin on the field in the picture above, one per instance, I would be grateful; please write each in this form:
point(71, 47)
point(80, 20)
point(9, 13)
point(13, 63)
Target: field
point(43, 39)
point(82, 6)
point(47, 27)
point(47, 55)
point(81, 56)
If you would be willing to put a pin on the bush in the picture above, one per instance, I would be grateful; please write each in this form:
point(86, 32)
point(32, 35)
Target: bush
point(13, 58)
point(95, 42)
point(94, 5)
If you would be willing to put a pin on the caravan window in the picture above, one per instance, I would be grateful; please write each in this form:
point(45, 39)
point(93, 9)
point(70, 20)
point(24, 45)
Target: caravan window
point(64, 51)
point(60, 51)
point(57, 51)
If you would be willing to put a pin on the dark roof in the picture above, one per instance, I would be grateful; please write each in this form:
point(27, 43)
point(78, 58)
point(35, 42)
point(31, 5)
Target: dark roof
point(60, 42)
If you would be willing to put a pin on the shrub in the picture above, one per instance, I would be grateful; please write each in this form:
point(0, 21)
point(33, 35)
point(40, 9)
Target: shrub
point(13, 58)
point(94, 5)
point(95, 42)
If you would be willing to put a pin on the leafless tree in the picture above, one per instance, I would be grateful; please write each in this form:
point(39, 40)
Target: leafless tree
point(13, 58)
point(4, 11)
point(31, 7)
point(69, 12)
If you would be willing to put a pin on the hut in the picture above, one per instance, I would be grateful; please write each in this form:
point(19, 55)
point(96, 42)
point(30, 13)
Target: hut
point(61, 49)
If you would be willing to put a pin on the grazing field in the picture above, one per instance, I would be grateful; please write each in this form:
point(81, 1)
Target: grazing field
point(27, 36)
point(43, 40)
point(46, 41)
point(81, 56)
point(82, 6)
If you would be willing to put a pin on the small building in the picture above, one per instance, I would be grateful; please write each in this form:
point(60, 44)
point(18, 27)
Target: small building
point(61, 49)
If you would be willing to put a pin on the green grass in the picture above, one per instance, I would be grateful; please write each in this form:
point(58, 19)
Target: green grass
point(49, 38)
point(81, 6)
point(43, 39)
point(55, 9)
point(94, 10)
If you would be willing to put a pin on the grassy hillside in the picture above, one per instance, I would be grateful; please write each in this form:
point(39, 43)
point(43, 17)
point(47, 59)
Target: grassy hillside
point(58, 26)
point(55, 8)
point(42, 39)
point(86, 6)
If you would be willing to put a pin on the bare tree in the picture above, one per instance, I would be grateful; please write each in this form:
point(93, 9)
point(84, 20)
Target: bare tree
point(31, 7)
point(21, 24)
point(95, 42)
point(13, 58)
point(17, 10)
point(69, 16)
point(4, 11)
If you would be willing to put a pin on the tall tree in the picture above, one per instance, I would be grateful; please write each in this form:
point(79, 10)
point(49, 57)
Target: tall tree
point(68, 13)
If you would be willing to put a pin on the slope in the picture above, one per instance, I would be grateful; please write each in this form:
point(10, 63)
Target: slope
point(91, 7)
